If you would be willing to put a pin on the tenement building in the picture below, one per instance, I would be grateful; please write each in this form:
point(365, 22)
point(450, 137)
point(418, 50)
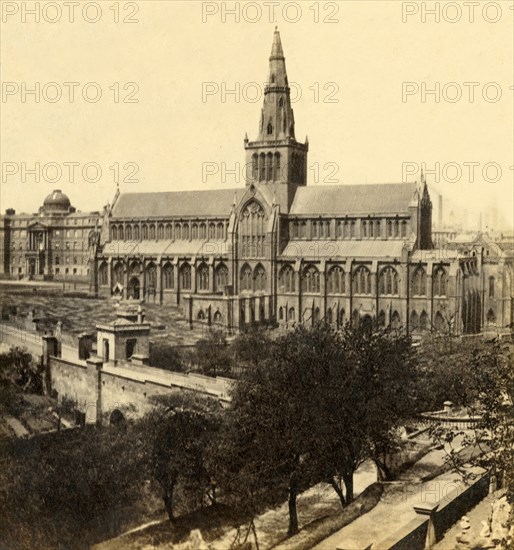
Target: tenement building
point(50, 244)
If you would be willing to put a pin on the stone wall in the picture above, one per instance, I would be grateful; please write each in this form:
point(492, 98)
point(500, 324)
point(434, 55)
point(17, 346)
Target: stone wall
point(433, 520)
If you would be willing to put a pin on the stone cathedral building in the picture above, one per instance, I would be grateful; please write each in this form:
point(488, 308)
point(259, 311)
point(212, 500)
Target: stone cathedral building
point(280, 252)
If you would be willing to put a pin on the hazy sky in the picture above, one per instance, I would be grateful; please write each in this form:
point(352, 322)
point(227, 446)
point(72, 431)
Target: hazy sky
point(360, 78)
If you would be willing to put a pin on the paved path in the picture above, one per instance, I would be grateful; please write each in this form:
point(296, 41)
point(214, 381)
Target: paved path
point(395, 507)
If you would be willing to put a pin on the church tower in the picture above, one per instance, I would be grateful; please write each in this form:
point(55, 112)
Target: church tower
point(275, 159)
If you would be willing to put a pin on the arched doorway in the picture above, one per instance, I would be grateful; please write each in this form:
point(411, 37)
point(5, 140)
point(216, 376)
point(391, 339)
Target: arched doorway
point(134, 288)
point(117, 419)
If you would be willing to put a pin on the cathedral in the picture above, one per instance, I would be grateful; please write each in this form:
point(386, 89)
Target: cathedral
point(279, 252)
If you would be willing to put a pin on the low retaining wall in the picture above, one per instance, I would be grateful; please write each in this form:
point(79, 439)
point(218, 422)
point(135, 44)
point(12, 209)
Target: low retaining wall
point(433, 520)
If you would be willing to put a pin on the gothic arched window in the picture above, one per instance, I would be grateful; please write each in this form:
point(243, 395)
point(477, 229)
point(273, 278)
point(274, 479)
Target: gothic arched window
point(277, 167)
point(252, 230)
point(102, 274)
point(362, 280)
point(203, 231)
point(388, 282)
point(419, 282)
point(185, 276)
point(221, 278)
point(118, 274)
point(151, 276)
point(167, 276)
point(185, 232)
point(262, 167)
point(336, 283)
point(128, 233)
point(245, 278)
point(286, 279)
point(310, 280)
point(144, 232)
point(255, 166)
point(440, 282)
point(169, 231)
point(260, 278)
point(491, 287)
point(136, 233)
point(269, 167)
point(114, 233)
point(202, 277)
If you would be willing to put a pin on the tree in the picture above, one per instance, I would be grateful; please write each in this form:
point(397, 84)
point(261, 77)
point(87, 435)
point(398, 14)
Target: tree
point(319, 405)
point(252, 347)
point(18, 366)
point(177, 436)
point(212, 354)
point(69, 490)
point(482, 384)
point(164, 356)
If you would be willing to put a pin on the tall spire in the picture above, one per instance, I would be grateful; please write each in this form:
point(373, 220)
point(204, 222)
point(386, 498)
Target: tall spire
point(277, 120)
point(275, 158)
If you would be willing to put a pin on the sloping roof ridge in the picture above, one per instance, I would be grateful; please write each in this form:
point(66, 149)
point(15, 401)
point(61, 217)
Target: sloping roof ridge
point(225, 189)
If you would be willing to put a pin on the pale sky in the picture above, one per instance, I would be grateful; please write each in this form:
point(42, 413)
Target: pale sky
point(177, 50)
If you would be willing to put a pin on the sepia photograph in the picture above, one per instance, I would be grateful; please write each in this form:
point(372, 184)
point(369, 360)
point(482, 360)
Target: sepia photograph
point(256, 275)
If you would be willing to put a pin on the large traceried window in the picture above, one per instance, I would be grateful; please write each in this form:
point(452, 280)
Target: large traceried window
point(336, 282)
point(310, 280)
point(151, 276)
point(118, 274)
point(419, 282)
point(221, 277)
point(252, 230)
point(202, 276)
point(260, 278)
point(167, 277)
point(388, 282)
point(185, 277)
point(440, 282)
point(286, 279)
point(362, 280)
point(246, 278)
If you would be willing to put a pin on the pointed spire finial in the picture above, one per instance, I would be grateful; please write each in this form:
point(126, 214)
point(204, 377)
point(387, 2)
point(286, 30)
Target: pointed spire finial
point(422, 176)
point(276, 49)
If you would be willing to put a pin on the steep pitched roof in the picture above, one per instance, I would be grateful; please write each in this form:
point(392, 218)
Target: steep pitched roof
point(382, 198)
point(217, 202)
